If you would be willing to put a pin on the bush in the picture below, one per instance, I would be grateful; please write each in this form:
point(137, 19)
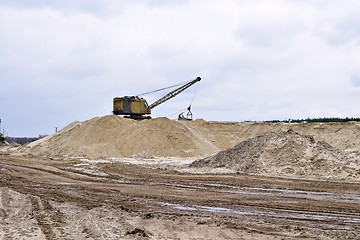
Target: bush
point(2, 139)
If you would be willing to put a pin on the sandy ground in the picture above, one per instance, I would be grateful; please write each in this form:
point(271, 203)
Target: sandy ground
point(48, 198)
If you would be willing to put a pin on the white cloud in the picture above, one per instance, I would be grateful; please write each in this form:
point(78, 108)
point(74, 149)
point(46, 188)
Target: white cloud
point(258, 59)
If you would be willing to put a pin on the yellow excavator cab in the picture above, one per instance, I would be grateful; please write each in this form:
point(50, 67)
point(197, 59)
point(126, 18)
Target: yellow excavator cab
point(131, 105)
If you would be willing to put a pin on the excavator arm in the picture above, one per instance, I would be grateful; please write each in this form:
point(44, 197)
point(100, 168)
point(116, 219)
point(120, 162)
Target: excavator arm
point(174, 93)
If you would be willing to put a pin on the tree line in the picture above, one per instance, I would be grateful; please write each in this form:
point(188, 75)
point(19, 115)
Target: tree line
point(23, 140)
point(318, 120)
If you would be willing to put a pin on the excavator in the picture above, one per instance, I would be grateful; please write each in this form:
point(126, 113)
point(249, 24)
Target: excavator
point(137, 108)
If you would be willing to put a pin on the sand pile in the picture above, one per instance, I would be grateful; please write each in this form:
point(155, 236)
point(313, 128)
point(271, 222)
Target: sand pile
point(114, 136)
point(343, 136)
point(286, 153)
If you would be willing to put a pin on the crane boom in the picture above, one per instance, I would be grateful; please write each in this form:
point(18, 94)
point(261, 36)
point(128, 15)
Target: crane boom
point(174, 93)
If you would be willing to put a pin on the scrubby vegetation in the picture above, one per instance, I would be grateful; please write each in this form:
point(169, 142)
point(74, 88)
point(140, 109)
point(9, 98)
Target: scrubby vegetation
point(324, 120)
point(24, 140)
point(2, 139)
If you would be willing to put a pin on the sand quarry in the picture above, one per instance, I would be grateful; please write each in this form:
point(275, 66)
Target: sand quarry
point(117, 178)
point(280, 149)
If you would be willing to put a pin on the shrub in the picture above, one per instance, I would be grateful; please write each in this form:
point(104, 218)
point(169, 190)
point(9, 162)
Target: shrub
point(2, 139)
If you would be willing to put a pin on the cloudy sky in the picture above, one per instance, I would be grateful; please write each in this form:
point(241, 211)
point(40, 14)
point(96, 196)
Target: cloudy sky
point(64, 60)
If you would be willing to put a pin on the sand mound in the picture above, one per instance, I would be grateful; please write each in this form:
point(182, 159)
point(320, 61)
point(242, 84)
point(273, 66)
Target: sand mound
point(343, 136)
point(286, 154)
point(14, 144)
point(114, 136)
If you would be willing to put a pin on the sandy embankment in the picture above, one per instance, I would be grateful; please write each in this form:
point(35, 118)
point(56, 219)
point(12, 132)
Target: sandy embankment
point(323, 150)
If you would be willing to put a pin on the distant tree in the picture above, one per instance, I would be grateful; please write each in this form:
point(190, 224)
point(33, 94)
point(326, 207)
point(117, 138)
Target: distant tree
point(2, 139)
point(21, 140)
point(42, 136)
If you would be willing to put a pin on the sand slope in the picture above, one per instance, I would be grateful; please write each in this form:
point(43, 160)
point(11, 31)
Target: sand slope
point(344, 136)
point(286, 154)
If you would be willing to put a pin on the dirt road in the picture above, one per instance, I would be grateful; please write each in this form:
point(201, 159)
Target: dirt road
point(72, 199)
